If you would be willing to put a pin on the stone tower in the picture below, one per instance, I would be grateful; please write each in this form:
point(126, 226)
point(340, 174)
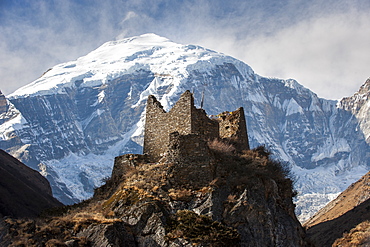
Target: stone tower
point(185, 119)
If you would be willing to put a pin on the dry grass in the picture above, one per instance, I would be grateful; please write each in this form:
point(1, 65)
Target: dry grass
point(200, 230)
point(231, 199)
point(180, 194)
point(358, 236)
point(149, 177)
point(221, 146)
point(125, 195)
point(54, 231)
point(84, 219)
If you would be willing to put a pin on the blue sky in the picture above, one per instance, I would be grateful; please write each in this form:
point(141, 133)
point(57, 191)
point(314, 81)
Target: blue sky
point(323, 44)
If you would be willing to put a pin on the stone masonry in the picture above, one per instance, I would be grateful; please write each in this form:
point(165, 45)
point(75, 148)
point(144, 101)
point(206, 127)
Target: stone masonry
point(181, 137)
point(185, 119)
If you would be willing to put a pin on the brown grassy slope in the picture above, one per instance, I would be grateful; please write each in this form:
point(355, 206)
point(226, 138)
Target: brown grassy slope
point(353, 196)
point(358, 236)
point(325, 233)
point(349, 209)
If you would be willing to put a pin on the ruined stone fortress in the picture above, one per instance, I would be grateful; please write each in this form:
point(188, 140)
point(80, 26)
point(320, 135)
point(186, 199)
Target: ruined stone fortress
point(182, 136)
point(184, 123)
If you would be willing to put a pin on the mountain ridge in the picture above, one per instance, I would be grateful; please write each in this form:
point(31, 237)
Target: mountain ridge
point(73, 131)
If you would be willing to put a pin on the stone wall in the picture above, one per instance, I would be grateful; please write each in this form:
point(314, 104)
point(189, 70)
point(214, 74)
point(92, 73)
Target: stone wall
point(124, 162)
point(202, 125)
point(234, 129)
point(186, 119)
point(193, 160)
point(191, 148)
point(159, 124)
point(183, 118)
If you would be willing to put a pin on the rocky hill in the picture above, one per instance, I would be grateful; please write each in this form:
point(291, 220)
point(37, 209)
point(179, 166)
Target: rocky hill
point(247, 201)
point(358, 105)
point(23, 191)
point(350, 210)
point(71, 122)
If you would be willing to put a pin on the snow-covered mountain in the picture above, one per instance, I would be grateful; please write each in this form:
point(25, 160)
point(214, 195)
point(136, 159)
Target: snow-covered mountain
point(72, 121)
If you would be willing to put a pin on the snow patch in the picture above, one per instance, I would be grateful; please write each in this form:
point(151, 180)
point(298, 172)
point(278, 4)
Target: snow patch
point(15, 122)
point(319, 186)
point(95, 167)
point(292, 107)
point(101, 96)
point(70, 168)
point(330, 148)
point(95, 114)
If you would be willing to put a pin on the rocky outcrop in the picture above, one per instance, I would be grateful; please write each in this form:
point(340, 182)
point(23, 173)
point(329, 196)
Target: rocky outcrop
point(106, 235)
point(247, 194)
point(246, 201)
point(3, 103)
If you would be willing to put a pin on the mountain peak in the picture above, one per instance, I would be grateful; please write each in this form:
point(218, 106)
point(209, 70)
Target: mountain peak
point(143, 42)
point(149, 38)
point(365, 88)
point(113, 59)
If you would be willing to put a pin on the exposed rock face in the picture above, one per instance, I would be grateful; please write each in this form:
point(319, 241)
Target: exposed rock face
point(107, 235)
point(3, 103)
point(341, 215)
point(23, 191)
point(358, 104)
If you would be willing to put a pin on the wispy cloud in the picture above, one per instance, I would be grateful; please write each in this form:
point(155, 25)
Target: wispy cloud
point(322, 44)
point(329, 54)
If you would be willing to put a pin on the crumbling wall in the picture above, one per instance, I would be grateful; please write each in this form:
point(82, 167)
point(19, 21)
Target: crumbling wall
point(193, 159)
point(159, 124)
point(185, 119)
point(123, 163)
point(204, 126)
point(191, 148)
point(234, 129)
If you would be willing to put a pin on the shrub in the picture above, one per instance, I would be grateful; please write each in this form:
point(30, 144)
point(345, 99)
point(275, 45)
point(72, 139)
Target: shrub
point(180, 194)
point(200, 229)
point(358, 236)
point(221, 146)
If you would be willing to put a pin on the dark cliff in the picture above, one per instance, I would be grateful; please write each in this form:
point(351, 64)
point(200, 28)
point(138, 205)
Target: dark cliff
point(23, 191)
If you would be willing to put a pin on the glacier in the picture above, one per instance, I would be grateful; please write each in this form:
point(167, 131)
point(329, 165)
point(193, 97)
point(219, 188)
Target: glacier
point(71, 122)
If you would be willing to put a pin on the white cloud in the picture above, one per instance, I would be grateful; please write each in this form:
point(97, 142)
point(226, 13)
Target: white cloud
point(329, 55)
point(326, 53)
point(322, 44)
